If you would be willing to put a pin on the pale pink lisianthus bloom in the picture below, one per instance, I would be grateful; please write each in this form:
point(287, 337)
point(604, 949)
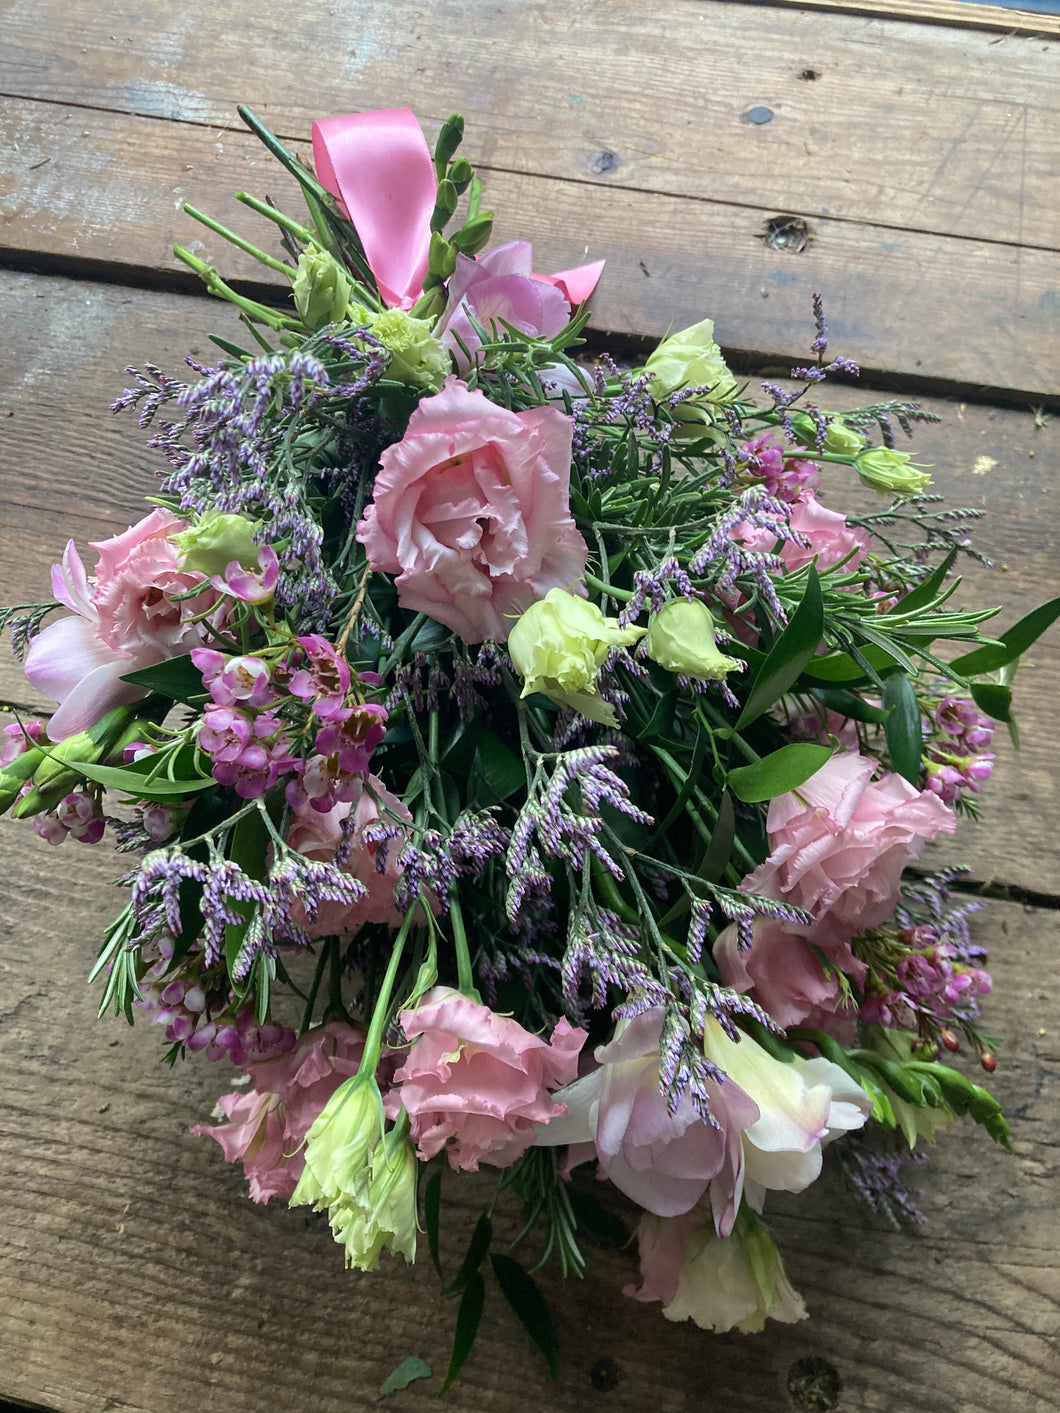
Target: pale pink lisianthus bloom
point(665, 1162)
point(710, 1281)
point(826, 536)
point(782, 973)
point(124, 622)
point(375, 841)
point(476, 1083)
point(471, 512)
point(267, 1124)
point(840, 842)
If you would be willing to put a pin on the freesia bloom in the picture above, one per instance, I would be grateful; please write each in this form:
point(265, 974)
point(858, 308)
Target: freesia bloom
point(495, 289)
point(665, 1162)
point(736, 1283)
point(559, 645)
point(471, 512)
point(783, 974)
point(375, 837)
point(840, 842)
point(267, 1124)
point(476, 1083)
point(125, 623)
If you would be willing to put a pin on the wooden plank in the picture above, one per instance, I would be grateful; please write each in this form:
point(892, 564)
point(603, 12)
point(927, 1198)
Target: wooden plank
point(117, 1221)
point(92, 192)
point(957, 14)
point(67, 468)
point(905, 125)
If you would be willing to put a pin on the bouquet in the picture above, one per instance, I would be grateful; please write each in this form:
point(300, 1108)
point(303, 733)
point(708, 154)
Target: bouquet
point(520, 763)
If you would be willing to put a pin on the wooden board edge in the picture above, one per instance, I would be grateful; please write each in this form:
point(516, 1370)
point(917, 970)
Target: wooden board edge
point(956, 14)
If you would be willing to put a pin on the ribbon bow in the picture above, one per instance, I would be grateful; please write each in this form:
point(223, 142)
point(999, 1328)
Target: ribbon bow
point(379, 167)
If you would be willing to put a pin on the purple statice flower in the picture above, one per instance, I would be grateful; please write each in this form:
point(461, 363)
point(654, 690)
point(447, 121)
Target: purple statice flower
point(469, 675)
point(872, 1164)
point(18, 738)
point(250, 585)
point(652, 587)
point(765, 462)
point(602, 954)
point(723, 557)
point(320, 676)
point(234, 681)
point(428, 870)
point(476, 838)
point(156, 887)
point(309, 883)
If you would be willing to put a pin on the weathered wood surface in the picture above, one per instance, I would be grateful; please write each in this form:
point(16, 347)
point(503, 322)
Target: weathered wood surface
point(921, 164)
point(68, 468)
point(135, 1276)
point(957, 14)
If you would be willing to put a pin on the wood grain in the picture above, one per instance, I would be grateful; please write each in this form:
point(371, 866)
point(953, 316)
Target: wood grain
point(68, 468)
point(102, 194)
point(905, 125)
point(956, 14)
point(132, 1268)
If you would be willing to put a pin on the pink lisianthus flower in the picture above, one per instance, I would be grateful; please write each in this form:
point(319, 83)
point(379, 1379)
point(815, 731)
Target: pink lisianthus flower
point(665, 1162)
point(781, 972)
point(840, 842)
point(476, 1083)
point(374, 841)
point(267, 1124)
point(125, 623)
point(821, 534)
point(472, 512)
point(498, 288)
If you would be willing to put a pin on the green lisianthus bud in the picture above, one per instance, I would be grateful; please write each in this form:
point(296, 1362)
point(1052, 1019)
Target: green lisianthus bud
point(383, 1218)
point(416, 356)
point(681, 639)
point(843, 440)
point(210, 545)
point(559, 645)
point(887, 470)
point(339, 1147)
point(104, 742)
point(691, 359)
point(321, 289)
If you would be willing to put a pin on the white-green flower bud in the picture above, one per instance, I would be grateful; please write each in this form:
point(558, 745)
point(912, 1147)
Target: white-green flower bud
point(383, 1218)
point(681, 639)
point(209, 546)
point(887, 470)
point(321, 289)
point(339, 1147)
point(691, 359)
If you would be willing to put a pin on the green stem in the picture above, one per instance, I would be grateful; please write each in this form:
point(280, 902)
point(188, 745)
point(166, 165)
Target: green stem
point(318, 976)
point(214, 283)
point(335, 1010)
point(280, 266)
point(465, 976)
point(373, 1045)
point(286, 223)
point(604, 588)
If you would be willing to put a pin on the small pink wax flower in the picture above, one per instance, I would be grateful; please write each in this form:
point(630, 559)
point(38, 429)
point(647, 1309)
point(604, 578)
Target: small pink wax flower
point(476, 1083)
point(18, 738)
point(250, 585)
point(472, 512)
point(125, 623)
point(784, 478)
point(232, 680)
point(321, 676)
point(267, 1124)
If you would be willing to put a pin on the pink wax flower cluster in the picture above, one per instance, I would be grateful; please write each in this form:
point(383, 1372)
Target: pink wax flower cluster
point(471, 512)
point(956, 760)
point(932, 980)
point(476, 1084)
point(785, 478)
point(267, 1124)
point(77, 816)
point(838, 846)
point(18, 738)
point(129, 619)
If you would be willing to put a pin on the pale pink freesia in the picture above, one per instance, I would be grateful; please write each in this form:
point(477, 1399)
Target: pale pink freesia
point(496, 289)
point(379, 824)
point(476, 1083)
point(267, 1124)
point(665, 1162)
point(839, 843)
point(471, 512)
point(126, 622)
point(782, 973)
point(823, 536)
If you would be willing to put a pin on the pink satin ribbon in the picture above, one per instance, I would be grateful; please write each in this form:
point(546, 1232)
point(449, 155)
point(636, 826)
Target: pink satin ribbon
point(379, 167)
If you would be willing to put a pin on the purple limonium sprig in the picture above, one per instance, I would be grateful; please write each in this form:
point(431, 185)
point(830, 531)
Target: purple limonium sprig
point(722, 559)
point(652, 587)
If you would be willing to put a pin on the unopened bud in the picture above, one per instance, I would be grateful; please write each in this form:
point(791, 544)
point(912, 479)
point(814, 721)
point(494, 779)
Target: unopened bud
point(988, 1061)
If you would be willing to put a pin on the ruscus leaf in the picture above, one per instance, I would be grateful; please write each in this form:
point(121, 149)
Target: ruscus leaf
point(905, 737)
point(1011, 643)
point(476, 1254)
point(468, 1319)
point(789, 655)
point(521, 1292)
point(777, 773)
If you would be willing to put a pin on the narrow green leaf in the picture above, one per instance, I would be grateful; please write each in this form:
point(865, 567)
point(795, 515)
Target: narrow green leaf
point(699, 755)
point(250, 841)
point(841, 667)
point(1012, 642)
point(476, 1254)
point(116, 777)
point(595, 1222)
point(924, 593)
point(503, 772)
point(905, 738)
point(232, 349)
point(521, 1292)
point(468, 1319)
point(718, 851)
point(789, 655)
point(848, 704)
point(994, 699)
point(410, 1369)
point(178, 678)
point(432, 1208)
point(777, 773)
